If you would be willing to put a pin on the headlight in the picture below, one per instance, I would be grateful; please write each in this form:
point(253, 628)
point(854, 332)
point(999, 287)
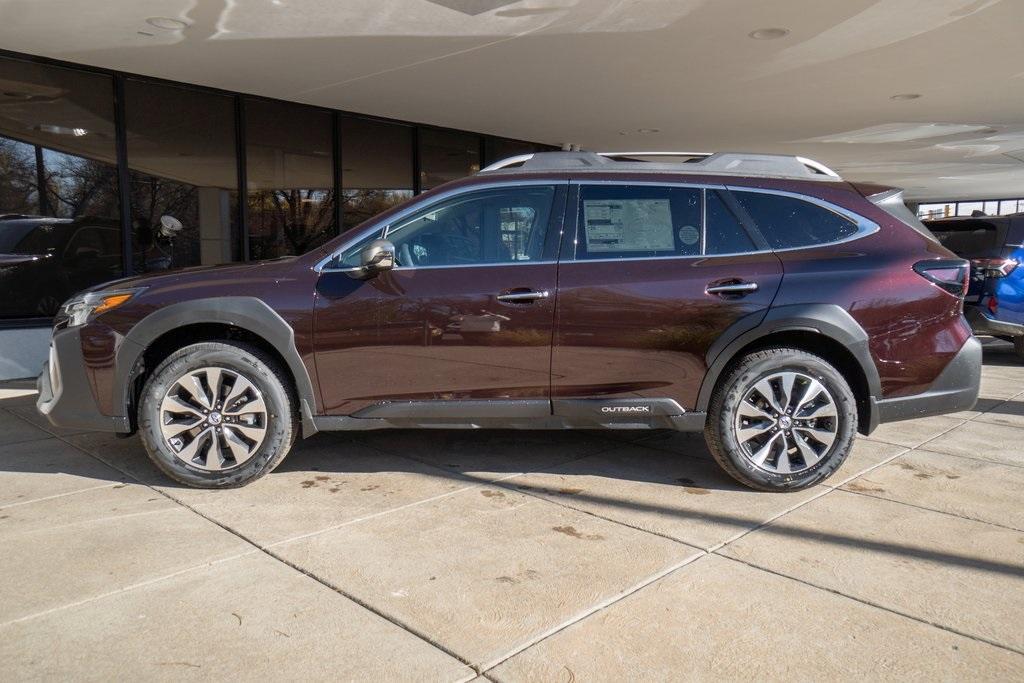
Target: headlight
point(81, 308)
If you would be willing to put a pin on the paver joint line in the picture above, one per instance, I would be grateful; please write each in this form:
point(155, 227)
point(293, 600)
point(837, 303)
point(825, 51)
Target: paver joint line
point(587, 612)
point(256, 548)
point(125, 589)
point(868, 494)
point(61, 495)
point(869, 603)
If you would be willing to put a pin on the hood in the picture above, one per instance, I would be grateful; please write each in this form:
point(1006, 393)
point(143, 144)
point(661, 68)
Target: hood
point(227, 274)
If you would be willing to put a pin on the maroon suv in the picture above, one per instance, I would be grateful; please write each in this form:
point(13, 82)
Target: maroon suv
point(758, 298)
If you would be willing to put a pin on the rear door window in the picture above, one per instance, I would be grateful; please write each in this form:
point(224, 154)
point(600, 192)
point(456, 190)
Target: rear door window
point(789, 222)
point(725, 233)
point(637, 221)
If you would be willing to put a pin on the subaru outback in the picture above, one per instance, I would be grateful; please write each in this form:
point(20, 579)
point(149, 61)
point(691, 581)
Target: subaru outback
point(760, 299)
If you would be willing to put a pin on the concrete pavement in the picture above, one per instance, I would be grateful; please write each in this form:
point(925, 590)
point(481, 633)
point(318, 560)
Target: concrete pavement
point(445, 555)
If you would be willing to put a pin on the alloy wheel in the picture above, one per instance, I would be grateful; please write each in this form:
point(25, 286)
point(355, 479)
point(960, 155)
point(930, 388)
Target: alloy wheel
point(213, 418)
point(786, 422)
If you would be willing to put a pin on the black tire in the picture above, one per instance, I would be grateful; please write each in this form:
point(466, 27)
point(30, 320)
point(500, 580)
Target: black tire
point(246, 361)
point(720, 429)
point(1018, 347)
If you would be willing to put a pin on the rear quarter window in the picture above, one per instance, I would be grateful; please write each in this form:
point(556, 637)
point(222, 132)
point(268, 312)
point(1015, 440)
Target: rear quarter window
point(789, 222)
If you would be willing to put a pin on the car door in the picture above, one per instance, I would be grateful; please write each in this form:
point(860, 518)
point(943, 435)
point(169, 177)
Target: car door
point(653, 275)
point(466, 316)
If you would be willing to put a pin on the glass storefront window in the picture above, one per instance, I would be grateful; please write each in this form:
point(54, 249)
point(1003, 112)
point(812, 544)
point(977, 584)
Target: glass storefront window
point(376, 168)
point(290, 178)
point(1008, 206)
point(447, 155)
point(61, 206)
point(184, 180)
point(59, 218)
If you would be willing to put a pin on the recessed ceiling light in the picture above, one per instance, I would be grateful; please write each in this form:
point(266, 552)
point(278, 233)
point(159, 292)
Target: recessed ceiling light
point(769, 33)
point(905, 96)
point(166, 23)
point(60, 130)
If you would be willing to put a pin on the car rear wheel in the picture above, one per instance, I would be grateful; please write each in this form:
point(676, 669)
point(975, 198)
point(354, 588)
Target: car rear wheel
point(217, 415)
point(1018, 347)
point(781, 420)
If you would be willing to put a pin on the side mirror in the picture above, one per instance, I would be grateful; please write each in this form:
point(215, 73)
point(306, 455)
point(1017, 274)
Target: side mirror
point(375, 258)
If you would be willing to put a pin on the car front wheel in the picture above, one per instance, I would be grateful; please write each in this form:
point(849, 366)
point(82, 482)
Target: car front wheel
point(217, 415)
point(781, 420)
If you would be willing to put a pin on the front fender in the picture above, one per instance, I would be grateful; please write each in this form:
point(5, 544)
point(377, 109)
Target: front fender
point(244, 312)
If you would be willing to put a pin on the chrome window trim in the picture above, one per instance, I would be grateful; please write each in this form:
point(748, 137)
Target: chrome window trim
point(415, 207)
point(477, 265)
point(865, 226)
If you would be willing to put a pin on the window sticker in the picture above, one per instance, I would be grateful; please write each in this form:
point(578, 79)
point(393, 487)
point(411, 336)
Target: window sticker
point(628, 225)
point(689, 235)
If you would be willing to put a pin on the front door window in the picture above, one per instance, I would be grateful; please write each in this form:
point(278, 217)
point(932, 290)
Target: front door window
point(491, 227)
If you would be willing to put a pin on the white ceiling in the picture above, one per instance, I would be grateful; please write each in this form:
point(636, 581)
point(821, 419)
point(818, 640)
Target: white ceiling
point(595, 72)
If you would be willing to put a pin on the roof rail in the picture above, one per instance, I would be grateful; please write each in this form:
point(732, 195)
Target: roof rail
point(718, 163)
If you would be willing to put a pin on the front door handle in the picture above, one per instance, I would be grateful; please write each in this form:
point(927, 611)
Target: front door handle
point(523, 297)
point(733, 288)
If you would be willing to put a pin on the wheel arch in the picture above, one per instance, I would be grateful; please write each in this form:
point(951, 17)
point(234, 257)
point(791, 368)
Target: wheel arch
point(245, 319)
point(825, 330)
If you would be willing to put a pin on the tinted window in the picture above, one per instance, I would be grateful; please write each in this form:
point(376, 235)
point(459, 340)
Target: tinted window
point(447, 155)
point(970, 237)
point(57, 169)
point(181, 156)
point(788, 222)
point(621, 221)
point(376, 168)
point(725, 234)
point(495, 226)
point(290, 178)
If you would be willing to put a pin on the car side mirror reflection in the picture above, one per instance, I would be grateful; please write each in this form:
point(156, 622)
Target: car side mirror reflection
point(375, 258)
point(378, 255)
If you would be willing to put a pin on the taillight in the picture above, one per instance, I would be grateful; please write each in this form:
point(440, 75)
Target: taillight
point(994, 267)
point(949, 274)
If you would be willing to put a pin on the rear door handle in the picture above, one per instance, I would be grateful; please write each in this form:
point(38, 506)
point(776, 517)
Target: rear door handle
point(523, 297)
point(737, 288)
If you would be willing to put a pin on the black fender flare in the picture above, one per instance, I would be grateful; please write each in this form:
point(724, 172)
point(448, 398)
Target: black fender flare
point(828, 320)
point(244, 312)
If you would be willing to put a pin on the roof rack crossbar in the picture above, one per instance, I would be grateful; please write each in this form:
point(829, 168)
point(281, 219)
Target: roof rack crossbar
point(712, 163)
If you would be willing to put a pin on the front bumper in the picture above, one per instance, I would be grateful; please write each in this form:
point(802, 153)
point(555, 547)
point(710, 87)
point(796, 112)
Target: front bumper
point(983, 324)
point(65, 396)
point(956, 388)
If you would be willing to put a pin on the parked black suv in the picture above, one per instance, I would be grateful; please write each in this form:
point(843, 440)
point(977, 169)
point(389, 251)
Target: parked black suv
point(995, 247)
point(758, 298)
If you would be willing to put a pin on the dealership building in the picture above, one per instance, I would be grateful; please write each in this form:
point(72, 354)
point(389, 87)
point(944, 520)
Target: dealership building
point(156, 135)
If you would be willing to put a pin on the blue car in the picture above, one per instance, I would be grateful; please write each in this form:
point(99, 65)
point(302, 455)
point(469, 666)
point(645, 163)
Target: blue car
point(995, 246)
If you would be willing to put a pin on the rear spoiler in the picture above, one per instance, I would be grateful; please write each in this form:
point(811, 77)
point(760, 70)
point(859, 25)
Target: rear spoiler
point(890, 200)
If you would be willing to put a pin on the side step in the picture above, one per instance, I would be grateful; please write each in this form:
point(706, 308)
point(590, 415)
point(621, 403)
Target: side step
point(624, 413)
